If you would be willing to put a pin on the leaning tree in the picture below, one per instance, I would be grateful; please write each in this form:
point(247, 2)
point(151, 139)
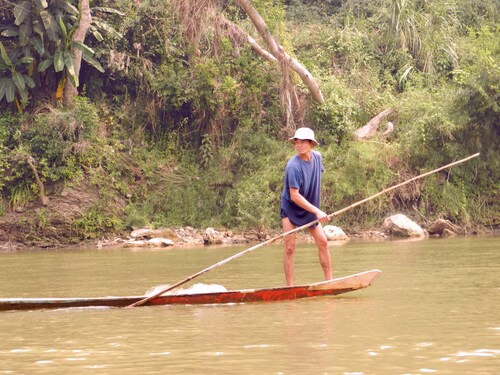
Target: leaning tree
point(197, 17)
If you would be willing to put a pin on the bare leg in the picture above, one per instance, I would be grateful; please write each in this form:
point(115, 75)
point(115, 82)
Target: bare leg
point(289, 251)
point(323, 252)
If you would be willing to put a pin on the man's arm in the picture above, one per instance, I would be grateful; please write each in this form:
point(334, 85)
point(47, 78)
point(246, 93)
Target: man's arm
point(300, 201)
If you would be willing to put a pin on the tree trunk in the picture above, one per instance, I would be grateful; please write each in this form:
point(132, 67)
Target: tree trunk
point(43, 198)
point(279, 53)
point(70, 91)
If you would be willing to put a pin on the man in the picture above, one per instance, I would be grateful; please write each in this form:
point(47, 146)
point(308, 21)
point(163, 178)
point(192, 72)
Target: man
point(300, 201)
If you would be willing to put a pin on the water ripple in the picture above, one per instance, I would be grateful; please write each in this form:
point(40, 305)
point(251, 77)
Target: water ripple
point(479, 353)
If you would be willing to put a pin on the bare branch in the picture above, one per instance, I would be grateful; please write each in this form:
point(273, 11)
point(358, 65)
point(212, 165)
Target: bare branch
point(279, 53)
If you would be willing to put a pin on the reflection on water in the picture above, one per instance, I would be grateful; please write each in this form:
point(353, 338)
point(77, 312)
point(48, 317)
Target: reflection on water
point(434, 310)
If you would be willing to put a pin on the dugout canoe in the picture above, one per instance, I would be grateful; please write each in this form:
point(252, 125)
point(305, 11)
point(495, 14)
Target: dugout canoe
point(325, 288)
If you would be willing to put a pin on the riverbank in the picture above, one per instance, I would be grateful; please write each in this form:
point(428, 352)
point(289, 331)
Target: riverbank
point(170, 237)
point(58, 225)
point(187, 237)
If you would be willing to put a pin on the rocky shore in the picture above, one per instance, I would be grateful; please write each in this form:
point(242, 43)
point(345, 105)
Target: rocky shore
point(53, 226)
point(396, 226)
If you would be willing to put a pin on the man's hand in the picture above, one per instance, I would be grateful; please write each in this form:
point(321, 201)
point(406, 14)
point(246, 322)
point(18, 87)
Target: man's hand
point(300, 201)
point(322, 216)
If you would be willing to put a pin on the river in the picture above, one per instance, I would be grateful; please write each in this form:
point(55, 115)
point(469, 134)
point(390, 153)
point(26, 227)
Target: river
point(434, 310)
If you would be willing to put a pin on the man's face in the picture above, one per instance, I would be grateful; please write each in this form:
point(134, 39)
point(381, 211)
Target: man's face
point(303, 146)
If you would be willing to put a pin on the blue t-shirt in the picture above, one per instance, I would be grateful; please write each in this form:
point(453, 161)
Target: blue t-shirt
point(305, 176)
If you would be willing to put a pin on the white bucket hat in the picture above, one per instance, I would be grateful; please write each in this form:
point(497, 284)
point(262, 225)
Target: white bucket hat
point(304, 134)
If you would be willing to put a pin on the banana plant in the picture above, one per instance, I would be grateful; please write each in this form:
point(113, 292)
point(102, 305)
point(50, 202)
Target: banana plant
point(44, 30)
point(63, 58)
point(14, 82)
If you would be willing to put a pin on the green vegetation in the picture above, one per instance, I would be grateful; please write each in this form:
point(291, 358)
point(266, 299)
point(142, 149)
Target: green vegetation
point(185, 127)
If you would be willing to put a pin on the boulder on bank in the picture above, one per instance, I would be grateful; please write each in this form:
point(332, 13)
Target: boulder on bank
point(212, 237)
point(401, 226)
point(334, 233)
point(442, 227)
point(146, 237)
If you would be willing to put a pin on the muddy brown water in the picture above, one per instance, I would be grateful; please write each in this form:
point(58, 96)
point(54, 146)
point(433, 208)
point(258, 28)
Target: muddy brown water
point(434, 310)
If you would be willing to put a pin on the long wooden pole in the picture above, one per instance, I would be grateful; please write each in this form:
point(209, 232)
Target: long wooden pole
point(222, 262)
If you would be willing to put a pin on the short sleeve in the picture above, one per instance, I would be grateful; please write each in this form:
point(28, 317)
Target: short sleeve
point(293, 178)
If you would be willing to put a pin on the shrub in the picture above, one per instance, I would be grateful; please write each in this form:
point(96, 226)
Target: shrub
point(355, 172)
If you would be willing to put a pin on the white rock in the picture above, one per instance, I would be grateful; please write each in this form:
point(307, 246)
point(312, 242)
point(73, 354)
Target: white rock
point(334, 233)
point(402, 226)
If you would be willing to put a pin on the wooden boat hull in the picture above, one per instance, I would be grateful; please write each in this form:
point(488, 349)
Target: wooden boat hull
point(325, 288)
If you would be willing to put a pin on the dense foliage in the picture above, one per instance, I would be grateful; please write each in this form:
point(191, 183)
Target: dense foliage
point(183, 119)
